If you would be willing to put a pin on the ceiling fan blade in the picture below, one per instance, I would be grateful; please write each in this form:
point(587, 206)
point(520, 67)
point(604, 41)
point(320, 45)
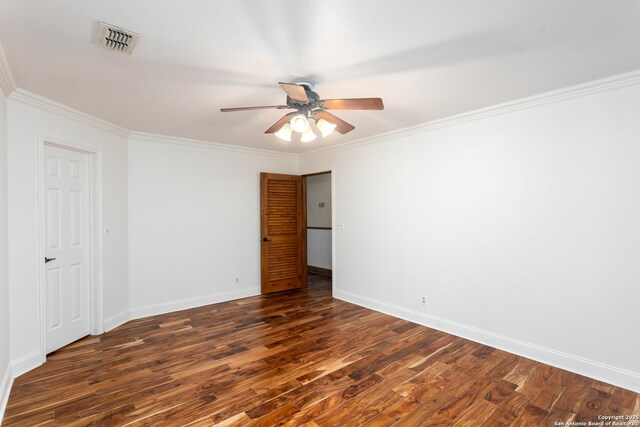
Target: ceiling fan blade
point(341, 126)
point(354, 104)
point(262, 107)
point(278, 125)
point(295, 92)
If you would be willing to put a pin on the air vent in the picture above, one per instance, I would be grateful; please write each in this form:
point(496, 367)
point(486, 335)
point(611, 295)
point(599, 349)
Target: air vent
point(115, 38)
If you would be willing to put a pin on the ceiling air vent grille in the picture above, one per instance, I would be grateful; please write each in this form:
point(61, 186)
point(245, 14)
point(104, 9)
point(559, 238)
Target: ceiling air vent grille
point(114, 38)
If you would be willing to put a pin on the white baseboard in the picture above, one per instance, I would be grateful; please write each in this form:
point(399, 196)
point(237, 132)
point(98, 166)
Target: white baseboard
point(168, 307)
point(5, 390)
point(116, 320)
point(600, 371)
point(35, 358)
point(26, 363)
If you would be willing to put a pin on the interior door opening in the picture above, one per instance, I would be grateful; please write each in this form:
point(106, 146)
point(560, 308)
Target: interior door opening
point(295, 231)
point(319, 232)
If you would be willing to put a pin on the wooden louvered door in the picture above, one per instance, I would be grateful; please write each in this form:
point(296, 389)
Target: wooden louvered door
point(283, 226)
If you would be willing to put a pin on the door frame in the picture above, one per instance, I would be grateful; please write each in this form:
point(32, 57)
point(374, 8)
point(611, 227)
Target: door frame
point(95, 236)
point(333, 227)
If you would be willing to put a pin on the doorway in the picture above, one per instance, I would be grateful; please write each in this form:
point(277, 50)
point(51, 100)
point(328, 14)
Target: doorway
point(295, 231)
point(319, 229)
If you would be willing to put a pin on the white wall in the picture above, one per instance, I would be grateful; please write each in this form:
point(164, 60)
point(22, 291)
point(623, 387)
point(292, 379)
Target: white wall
point(319, 241)
point(4, 278)
point(319, 248)
point(27, 125)
point(194, 223)
point(522, 229)
point(319, 191)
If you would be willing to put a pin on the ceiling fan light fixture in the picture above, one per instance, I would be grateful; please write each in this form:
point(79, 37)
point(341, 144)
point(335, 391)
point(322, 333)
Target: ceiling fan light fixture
point(325, 127)
point(308, 135)
point(285, 132)
point(300, 123)
point(309, 106)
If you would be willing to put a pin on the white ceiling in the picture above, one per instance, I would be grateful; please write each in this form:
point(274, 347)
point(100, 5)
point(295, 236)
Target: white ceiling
point(427, 59)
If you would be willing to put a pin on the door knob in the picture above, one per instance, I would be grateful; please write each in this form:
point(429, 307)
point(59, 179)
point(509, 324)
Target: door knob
point(46, 260)
point(265, 239)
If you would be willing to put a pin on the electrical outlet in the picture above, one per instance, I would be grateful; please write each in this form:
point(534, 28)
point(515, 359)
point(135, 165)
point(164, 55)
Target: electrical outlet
point(423, 300)
point(237, 280)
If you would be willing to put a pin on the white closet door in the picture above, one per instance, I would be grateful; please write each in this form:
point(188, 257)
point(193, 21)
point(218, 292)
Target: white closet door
point(67, 269)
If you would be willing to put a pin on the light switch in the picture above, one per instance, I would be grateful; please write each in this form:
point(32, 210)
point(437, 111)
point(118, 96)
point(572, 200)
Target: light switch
point(340, 225)
point(107, 231)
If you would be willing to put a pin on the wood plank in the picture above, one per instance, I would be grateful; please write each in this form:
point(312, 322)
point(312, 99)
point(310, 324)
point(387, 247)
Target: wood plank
point(298, 358)
point(319, 271)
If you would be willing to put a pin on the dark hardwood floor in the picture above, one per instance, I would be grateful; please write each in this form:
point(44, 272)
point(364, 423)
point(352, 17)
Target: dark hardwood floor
point(298, 358)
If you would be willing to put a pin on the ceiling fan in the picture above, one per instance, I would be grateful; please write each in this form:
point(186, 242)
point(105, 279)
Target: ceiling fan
point(309, 107)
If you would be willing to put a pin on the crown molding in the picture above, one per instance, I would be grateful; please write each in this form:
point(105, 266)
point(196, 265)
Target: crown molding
point(150, 137)
point(581, 90)
point(7, 82)
point(558, 95)
point(29, 98)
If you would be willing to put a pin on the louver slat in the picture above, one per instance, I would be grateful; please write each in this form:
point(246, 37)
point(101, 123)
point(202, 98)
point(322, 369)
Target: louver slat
point(114, 38)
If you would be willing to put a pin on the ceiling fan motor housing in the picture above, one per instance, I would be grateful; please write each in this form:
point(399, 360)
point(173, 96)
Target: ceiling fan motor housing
point(314, 100)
